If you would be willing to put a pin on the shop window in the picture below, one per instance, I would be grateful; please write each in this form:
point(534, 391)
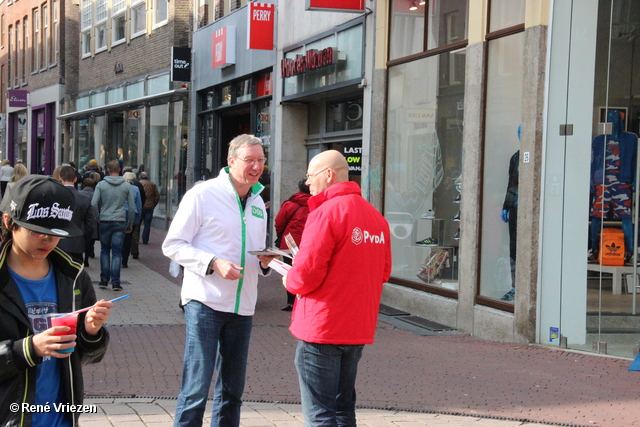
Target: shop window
point(343, 116)
point(438, 22)
point(506, 13)
point(85, 153)
point(407, 29)
point(424, 173)
point(264, 85)
point(243, 90)
point(157, 161)
point(501, 167)
point(20, 138)
point(225, 95)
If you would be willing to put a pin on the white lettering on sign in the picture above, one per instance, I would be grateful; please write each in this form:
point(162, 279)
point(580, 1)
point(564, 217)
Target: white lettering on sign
point(180, 63)
point(352, 150)
point(219, 51)
point(261, 15)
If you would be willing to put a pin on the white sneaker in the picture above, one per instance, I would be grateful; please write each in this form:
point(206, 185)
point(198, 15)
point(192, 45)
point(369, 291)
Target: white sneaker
point(430, 214)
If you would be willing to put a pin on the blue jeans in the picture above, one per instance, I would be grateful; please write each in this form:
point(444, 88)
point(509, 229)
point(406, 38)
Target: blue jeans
point(214, 339)
point(111, 239)
point(327, 375)
point(147, 216)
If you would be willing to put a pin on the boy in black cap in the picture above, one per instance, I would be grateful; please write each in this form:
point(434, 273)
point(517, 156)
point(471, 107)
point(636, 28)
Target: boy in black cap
point(37, 280)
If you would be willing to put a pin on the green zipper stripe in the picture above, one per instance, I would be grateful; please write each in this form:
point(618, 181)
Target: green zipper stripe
point(242, 256)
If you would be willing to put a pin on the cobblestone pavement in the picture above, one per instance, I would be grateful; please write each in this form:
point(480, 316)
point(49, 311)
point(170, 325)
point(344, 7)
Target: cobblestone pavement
point(409, 377)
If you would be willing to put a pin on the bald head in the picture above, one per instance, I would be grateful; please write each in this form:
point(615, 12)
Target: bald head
point(326, 169)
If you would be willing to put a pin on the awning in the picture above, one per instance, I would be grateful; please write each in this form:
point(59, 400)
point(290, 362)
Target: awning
point(130, 104)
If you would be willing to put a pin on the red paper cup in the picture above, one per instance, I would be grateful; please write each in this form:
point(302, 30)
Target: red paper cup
point(71, 321)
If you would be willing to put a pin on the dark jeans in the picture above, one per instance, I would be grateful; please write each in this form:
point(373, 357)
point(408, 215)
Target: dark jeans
point(111, 240)
point(147, 216)
point(214, 339)
point(130, 245)
point(327, 375)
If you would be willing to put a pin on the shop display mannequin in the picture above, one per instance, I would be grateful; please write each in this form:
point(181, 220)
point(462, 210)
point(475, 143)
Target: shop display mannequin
point(613, 168)
point(510, 216)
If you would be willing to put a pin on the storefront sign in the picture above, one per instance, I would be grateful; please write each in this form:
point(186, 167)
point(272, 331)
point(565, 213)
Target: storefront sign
point(17, 98)
point(180, 64)
point(336, 5)
point(224, 47)
point(312, 60)
point(261, 26)
point(353, 154)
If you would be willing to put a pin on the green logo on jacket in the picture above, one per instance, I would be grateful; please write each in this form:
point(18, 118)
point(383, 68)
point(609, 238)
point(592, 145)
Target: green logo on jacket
point(257, 212)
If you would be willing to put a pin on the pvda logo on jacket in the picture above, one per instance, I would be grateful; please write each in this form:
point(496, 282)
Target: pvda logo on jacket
point(257, 212)
point(358, 236)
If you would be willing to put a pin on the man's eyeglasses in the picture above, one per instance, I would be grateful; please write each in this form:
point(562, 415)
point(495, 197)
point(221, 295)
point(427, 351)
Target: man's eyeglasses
point(260, 161)
point(313, 175)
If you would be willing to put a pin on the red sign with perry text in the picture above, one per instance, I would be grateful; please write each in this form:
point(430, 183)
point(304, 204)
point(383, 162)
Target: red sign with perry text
point(224, 47)
point(261, 26)
point(337, 5)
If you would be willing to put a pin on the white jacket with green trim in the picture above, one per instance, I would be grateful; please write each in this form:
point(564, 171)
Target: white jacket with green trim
point(210, 221)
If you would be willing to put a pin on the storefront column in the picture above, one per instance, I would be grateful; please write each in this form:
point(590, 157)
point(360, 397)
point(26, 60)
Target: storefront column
point(529, 191)
point(471, 184)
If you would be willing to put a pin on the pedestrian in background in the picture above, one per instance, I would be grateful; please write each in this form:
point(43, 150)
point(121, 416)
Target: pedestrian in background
point(5, 175)
point(216, 220)
point(344, 259)
point(37, 281)
point(88, 186)
point(291, 219)
point(152, 197)
point(108, 204)
point(82, 216)
point(19, 172)
point(129, 237)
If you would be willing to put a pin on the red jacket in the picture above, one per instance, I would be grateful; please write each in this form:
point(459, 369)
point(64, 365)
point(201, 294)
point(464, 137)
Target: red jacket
point(344, 259)
point(291, 217)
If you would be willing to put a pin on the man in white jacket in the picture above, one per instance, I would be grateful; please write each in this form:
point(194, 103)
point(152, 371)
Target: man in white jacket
point(217, 223)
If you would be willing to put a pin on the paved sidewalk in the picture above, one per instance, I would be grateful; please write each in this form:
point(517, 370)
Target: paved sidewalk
point(408, 377)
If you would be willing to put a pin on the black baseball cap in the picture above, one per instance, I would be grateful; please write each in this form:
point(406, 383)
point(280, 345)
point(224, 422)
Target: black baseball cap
point(41, 204)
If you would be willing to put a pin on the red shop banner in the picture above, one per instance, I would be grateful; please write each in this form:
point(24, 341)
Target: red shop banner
point(261, 26)
point(336, 5)
point(224, 47)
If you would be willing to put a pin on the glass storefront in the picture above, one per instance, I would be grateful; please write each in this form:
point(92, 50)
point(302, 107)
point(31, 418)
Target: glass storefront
point(589, 275)
point(150, 139)
point(425, 117)
point(424, 172)
point(501, 159)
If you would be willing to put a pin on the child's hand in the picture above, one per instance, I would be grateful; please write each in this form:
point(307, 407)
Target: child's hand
point(96, 317)
point(48, 344)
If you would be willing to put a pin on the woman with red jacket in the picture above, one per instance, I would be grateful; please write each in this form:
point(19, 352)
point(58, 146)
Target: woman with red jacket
point(291, 219)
